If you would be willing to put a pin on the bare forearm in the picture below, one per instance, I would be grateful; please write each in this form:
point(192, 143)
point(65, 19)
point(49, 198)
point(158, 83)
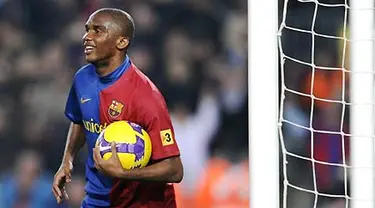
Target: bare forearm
point(74, 142)
point(169, 170)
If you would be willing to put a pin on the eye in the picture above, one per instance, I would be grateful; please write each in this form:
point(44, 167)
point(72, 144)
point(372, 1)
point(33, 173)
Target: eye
point(100, 29)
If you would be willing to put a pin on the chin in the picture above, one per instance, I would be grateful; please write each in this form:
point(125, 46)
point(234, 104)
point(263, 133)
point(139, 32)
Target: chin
point(91, 59)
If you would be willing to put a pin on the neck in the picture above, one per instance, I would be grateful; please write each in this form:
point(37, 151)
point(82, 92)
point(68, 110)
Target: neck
point(106, 67)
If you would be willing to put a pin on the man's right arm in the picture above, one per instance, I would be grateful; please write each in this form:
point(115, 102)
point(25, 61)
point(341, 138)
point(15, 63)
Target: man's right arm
point(74, 142)
point(75, 138)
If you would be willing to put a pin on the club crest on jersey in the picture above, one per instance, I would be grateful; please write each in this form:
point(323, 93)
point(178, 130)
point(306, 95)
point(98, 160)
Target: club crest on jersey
point(115, 109)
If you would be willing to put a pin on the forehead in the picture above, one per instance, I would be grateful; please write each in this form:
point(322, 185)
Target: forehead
point(100, 19)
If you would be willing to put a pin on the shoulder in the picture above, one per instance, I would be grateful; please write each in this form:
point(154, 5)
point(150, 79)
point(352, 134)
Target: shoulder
point(83, 72)
point(146, 89)
point(146, 94)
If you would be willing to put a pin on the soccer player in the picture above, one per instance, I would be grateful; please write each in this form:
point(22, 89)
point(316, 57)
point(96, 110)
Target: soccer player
point(108, 89)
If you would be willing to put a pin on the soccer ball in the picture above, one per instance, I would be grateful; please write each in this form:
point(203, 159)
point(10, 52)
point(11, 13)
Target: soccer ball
point(133, 144)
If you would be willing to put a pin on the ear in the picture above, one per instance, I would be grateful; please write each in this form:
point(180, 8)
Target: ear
point(122, 43)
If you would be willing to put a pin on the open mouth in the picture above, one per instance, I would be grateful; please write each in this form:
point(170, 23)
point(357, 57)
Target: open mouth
point(89, 50)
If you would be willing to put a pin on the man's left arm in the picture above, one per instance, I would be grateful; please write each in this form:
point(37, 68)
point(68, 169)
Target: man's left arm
point(166, 164)
point(168, 170)
point(165, 160)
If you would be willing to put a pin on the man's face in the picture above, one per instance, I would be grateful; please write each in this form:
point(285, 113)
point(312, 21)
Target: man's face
point(100, 38)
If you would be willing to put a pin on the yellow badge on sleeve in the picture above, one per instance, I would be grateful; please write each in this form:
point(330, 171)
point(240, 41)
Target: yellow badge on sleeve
point(166, 137)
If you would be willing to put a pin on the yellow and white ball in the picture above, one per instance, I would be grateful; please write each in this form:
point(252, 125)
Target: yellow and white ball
point(133, 144)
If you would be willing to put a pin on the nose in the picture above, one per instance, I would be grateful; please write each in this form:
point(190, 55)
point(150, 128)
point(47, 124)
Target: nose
point(86, 37)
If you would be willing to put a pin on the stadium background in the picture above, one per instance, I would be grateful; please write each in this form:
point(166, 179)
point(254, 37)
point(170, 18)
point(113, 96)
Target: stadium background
point(196, 53)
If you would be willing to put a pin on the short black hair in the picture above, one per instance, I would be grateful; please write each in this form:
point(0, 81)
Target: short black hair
point(121, 18)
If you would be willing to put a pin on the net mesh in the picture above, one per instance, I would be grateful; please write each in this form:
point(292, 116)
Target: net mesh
point(314, 42)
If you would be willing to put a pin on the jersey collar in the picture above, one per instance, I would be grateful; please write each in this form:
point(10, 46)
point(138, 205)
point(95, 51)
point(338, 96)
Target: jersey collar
point(116, 74)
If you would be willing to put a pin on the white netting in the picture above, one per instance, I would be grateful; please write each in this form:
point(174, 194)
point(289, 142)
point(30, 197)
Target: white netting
point(315, 103)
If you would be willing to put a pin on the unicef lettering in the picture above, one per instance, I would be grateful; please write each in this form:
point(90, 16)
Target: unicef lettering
point(93, 127)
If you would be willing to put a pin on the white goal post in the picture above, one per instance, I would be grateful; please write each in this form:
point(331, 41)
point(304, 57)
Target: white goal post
point(362, 93)
point(264, 124)
point(263, 103)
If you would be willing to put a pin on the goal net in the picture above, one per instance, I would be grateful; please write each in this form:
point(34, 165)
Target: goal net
point(326, 125)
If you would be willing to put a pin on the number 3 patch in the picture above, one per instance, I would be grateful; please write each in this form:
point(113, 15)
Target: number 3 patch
point(166, 137)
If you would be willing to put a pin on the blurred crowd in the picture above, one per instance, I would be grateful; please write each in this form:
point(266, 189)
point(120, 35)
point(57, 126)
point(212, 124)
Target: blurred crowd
point(309, 123)
point(194, 50)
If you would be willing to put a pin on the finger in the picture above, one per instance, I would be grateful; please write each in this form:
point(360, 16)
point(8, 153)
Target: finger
point(58, 199)
point(97, 158)
point(99, 168)
point(66, 196)
point(113, 147)
point(114, 151)
point(57, 184)
point(57, 191)
point(68, 175)
point(95, 155)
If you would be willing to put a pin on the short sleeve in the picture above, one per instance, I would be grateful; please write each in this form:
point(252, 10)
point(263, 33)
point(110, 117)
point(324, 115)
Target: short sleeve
point(72, 109)
point(154, 117)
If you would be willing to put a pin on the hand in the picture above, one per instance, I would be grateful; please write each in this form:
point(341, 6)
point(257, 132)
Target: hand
point(62, 176)
point(111, 167)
